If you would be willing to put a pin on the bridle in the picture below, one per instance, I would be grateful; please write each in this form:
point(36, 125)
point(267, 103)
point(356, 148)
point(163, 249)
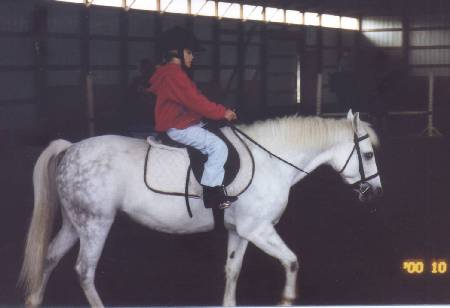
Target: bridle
point(363, 185)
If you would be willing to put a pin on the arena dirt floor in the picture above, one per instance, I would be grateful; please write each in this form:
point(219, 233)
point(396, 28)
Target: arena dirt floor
point(348, 256)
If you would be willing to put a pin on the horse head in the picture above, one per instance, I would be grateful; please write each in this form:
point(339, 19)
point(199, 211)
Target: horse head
point(355, 160)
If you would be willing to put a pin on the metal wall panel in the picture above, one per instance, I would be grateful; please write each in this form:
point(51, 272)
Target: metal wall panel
point(384, 38)
point(281, 47)
point(330, 37)
point(18, 117)
point(104, 20)
point(141, 24)
point(275, 26)
point(225, 75)
point(15, 16)
point(203, 28)
point(380, 22)
point(326, 75)
point(17, 85)
point(329, 57)
point(281, 99)
point(282, 65)
point(140, 50)
point(429, 56)
point(63, 51)
point(203, 75)
point(425, 71)
point(229, 24)
point(228, 55)
point(429, 21)
point(348, 38)
point(229, 37)
point(172, 20)
point(16, 51)
point(329, 97)
point(204, 57)
point(102, 77)
point(429, 37)
point(104, 52)
point(252, 54)
point(311, 35)
point(251, 74)
point(63, 18)
point(63, 78)
point(252, 32)
point(282, 82)
point(394, 54)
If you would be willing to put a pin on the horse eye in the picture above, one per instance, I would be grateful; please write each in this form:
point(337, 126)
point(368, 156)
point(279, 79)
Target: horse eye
point(368, 155)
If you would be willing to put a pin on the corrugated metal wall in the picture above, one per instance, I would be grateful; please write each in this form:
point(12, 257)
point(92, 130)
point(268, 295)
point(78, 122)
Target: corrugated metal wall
point(415, 45)
point(47, 87)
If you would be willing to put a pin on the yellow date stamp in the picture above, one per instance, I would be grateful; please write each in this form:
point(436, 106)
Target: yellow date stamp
point(420, 266)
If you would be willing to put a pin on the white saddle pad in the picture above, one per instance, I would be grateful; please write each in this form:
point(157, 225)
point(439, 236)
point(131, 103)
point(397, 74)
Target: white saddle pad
point(166, 168)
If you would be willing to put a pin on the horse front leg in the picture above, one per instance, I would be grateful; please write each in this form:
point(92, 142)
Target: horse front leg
point(235, 254)
point(266, 238)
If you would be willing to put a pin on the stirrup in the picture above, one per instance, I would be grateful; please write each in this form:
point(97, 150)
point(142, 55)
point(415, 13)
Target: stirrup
point(224, 205)
point(227, 200)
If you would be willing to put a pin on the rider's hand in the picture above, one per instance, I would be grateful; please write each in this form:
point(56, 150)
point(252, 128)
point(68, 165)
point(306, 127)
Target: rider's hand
point(230, 115)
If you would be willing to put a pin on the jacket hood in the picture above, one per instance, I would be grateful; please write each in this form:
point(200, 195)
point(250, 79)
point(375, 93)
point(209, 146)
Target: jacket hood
point(157, 79)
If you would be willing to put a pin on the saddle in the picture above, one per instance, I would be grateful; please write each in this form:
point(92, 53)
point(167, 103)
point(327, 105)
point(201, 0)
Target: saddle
point(198, 159)
point(169, 165)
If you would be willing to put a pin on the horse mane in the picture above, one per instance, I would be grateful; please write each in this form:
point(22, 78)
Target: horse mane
point(314, 133)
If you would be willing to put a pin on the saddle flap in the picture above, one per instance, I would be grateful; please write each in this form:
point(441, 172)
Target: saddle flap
point(166, 167)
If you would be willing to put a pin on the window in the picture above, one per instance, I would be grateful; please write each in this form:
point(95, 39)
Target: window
point(349, 23)
point(294, 17)
point(274, 14)
point(174, 6)
point(74, 1)
point(331, 21)
point(149, 5)
point(312, 19)
point(252, 12)
point(229, 10)
point(299, 96)
point(115, 3)
point(203, 7)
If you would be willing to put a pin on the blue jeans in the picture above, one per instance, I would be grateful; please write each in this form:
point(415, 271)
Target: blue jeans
point(209, 144)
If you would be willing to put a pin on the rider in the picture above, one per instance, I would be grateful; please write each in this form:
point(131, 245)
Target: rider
point(180, 108)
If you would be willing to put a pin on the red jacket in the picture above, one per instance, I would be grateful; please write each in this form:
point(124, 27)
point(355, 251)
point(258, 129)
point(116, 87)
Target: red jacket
point(179, 103)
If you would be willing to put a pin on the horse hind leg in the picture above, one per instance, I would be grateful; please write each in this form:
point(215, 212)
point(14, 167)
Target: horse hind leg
point(61, 244)
point(93, 233)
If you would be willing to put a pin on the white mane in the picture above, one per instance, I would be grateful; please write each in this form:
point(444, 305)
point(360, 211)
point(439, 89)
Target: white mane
point(312, 133)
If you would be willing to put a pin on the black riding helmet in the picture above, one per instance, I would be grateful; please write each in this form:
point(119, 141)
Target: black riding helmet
point(177, 38)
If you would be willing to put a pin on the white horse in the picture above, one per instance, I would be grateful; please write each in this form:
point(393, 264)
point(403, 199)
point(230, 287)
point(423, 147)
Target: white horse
point(95, 178)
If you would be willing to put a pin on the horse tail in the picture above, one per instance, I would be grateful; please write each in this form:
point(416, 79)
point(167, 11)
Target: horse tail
point(41, 226)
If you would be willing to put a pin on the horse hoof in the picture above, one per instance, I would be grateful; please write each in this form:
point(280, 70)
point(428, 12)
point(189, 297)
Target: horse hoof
point(286, 302)
point(30, 304)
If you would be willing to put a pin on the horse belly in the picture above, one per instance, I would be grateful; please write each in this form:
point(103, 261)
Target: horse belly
point(169, 214)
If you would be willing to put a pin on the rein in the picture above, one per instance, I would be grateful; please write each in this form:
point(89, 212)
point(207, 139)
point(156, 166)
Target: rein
point(266, 150)
point(356, 147)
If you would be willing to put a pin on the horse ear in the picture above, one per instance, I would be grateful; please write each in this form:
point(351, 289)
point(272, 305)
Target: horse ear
point(350, 115)
point(355, 122)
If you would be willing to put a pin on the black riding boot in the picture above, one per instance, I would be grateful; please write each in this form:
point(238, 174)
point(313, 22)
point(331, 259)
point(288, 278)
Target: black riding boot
point(217, 197)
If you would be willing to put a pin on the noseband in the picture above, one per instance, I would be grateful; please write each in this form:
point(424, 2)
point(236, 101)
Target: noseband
point(364, 186)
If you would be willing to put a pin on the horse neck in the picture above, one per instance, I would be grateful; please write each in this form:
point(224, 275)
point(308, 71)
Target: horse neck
point(310, 161)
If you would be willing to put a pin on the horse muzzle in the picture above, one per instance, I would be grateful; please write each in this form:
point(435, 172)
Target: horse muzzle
point(366, 192)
